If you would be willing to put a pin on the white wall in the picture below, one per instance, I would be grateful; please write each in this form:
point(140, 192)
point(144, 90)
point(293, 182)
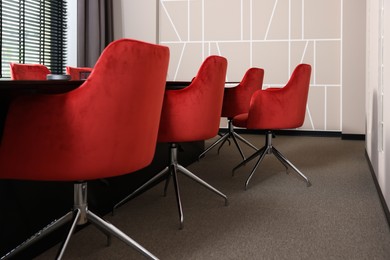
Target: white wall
point(273, 35)
point(377, 92)
point(384, 179)
point(72, 33)
point(136, 19)
point(354, 65)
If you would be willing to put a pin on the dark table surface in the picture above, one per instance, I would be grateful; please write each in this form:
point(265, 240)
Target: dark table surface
point(20, 87)
point(38, 86)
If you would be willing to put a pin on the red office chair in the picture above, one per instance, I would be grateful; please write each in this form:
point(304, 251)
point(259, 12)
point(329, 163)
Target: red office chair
point(107, 127)
point(273, 109)
point(236, 101)
point(77, 73)
point(28, 71)
point(190, 114)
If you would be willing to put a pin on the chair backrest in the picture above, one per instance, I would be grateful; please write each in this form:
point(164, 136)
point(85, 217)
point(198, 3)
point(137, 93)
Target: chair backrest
point(106, 127)
point(236, 100)
point(193, 113)
point(281, 108)
point(28, 71)
point(76, 72)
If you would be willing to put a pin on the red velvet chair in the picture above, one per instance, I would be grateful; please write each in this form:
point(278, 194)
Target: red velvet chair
point(190, 114)
point(277, 108)
point(77, 73)
point(236, 101)
point(107, 127)
point(28, 71)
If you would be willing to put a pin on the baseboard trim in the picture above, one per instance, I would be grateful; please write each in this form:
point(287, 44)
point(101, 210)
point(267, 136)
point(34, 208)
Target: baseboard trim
point(287, 132)
point(353, 137)
point(360, 137)
point(378, 189)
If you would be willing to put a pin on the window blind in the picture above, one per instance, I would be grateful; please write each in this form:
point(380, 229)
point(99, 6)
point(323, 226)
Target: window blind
point(33, 31)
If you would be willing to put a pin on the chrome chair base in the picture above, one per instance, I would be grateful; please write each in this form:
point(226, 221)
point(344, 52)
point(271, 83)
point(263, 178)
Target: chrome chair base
point(80, 215)
point(229, 134)
point(172, 170)
point(268, 148)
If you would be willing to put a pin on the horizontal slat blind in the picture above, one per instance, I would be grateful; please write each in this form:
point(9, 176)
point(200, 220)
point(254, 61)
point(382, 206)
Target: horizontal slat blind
point(33, 31)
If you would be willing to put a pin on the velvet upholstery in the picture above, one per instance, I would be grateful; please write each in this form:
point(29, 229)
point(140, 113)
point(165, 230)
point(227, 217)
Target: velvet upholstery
point(74, 72)
point(236, 99)
point(193, 113)
point(28, 71)
point(282, 108)
point(106, 127)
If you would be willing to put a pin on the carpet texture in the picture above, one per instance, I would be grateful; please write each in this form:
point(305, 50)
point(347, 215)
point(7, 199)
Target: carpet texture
point(278, 217)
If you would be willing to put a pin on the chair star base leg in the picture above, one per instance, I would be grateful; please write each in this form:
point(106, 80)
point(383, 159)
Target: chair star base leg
point(174, 169)
point(268, 148)
point(202, 182)
point(223, 138)
point(173, 172)
point(286, 163)
point(80, 215)
point(40, 234)
point(230, 134)
point(250, 158)
point(108, 227)
point(140, 189)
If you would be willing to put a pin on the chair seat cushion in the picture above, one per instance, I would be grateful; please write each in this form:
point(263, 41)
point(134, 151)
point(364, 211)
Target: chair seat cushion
point(241, 120)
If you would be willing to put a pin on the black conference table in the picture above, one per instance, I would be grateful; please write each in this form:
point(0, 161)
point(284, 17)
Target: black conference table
point(25, 87)
point(28, 206)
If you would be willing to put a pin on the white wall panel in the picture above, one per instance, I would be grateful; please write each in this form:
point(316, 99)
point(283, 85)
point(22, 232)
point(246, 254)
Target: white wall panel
point(275, 35)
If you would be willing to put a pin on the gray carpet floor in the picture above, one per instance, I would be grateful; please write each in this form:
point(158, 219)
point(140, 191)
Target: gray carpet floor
point(278, 217)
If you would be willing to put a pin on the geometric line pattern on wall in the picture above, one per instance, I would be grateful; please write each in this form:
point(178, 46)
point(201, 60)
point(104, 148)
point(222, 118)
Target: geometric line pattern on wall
point(275, 35)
